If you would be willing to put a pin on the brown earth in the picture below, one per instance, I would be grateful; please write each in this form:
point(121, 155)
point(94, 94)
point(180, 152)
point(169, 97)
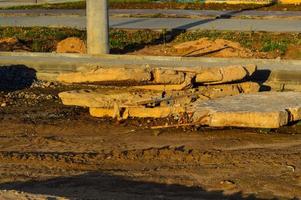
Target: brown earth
point(293, 52)
point(51, 151)
point(203, 47)
point(12, 44)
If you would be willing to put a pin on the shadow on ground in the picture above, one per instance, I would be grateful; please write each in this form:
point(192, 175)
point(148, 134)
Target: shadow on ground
point(104, 186)
point(16, 77)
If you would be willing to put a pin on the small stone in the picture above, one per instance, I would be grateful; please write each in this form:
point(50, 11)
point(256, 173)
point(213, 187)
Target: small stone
point(228, 184)
point(291, 167)
point(3, 104)
point(168, 76)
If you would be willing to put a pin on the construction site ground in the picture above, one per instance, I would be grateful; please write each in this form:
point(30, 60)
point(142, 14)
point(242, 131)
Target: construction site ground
point(52, 151)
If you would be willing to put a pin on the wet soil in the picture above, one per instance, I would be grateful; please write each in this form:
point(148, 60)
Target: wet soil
point(52, 151)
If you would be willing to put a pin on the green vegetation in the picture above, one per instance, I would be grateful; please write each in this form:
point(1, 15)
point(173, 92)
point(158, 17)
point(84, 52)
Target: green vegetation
point(45, 39)
point(280, 45)
point(40, 39)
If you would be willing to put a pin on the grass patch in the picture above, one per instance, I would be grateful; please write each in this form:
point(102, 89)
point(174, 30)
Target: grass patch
point(40, 39)
point(121, 41)
point(280, 46)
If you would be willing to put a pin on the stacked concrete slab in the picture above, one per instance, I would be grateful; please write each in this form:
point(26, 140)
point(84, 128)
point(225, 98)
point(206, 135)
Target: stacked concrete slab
point(218, 96)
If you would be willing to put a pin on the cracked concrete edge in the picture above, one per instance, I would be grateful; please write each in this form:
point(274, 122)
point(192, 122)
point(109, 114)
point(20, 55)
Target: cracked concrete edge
point(49, 65)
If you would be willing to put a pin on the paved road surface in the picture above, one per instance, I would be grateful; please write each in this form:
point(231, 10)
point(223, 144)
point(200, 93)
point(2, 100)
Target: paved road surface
point(271, 25)
point(171, 12)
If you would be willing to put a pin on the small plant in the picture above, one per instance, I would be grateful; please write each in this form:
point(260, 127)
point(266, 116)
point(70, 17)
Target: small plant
point(279, 46)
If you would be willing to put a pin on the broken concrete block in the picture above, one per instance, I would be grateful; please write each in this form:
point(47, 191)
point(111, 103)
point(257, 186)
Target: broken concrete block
point(139, 112)
point(185, 85)
point(259, 110)
point(168, 76)
point(156, 112)
point(216, 91)
point(102, 112)
point(218, 75)
point(107, 75)
point(250, 119)
point(107, 98)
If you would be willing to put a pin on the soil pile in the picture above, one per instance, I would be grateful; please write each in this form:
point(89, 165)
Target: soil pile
point(201, 47)
point(12, 44)
point(71, 45)
point(218, 47)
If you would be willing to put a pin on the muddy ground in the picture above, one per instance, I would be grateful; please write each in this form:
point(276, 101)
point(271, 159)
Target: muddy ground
point(51, 151)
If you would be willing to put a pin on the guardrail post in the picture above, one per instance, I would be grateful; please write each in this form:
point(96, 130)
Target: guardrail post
point(97, 27)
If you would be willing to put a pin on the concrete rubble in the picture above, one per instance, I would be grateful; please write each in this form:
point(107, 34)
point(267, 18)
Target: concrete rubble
point(259, 110)
point(161, 75)
point(218, 97)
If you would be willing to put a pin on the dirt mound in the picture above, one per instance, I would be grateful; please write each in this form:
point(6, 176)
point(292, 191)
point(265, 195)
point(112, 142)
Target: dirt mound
point(218, 47)
point(71, 45)
point(12, 44)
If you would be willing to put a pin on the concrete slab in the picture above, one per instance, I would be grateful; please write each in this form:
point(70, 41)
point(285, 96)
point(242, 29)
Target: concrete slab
point(101, 75)
point(260, 110)
point(102, 98)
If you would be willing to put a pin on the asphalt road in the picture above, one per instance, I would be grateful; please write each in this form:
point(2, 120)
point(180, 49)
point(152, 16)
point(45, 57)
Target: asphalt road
point(166, 12)
point(269, 25)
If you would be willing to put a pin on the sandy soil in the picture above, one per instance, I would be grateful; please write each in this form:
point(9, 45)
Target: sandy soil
point(50, 151)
